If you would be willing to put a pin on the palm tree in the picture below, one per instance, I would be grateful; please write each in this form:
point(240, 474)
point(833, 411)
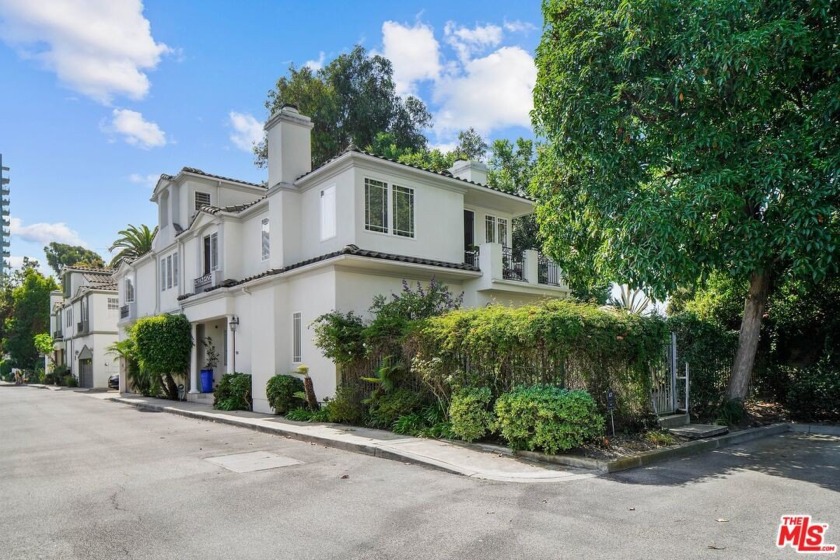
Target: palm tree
point(133, 242)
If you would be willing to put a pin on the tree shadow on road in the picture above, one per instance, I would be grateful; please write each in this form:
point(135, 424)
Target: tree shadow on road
point(807, 457)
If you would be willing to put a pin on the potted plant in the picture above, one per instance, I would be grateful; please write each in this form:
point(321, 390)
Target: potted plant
point(211, 360)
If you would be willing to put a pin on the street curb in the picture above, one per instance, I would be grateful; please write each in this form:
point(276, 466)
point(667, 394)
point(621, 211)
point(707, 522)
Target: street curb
point(683, 450)
point(604, 467)
point(372, 450)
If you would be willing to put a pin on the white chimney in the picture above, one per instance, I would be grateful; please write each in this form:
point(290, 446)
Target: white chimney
point(474, 171)
point(289, 145)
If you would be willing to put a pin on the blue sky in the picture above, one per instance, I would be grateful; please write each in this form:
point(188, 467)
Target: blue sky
point(99, 98)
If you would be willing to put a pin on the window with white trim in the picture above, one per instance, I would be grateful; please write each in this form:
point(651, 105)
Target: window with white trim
point(201, 199)
point(296, 338)
point(379, 197)
point(163, 274)
point(495, 230)
point(175, 269)
point(265, 239)
point(68, 316)
point(328, 214)
point(129, 291)
point(211, 253)
point(113, 303)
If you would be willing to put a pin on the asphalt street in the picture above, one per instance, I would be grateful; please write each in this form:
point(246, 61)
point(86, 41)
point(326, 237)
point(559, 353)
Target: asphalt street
point(85, 478)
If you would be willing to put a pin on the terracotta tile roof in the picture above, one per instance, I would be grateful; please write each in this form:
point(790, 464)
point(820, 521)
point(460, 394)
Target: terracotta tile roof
point(197, 171)
point(213, 210)
point(352, 148)
point(348, 250)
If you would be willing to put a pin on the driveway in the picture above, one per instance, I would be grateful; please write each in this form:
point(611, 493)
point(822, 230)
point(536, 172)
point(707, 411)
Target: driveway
point(90, 479)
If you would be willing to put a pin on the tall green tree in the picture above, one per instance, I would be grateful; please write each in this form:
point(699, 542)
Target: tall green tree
point(133, 242)
point(60, 255)
point(350, 100)
point(687, 137)
point(30, 315)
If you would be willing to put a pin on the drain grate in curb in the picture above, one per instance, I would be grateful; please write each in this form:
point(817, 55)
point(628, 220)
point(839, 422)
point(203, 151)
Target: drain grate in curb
point(253, 461)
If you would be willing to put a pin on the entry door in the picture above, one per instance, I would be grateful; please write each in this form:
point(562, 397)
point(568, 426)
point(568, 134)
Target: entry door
point(469, 230)
point(86, 373)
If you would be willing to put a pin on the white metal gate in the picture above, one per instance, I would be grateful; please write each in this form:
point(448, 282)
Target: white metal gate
point(664, 383)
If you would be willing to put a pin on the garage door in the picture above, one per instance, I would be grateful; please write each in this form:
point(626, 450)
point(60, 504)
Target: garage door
point(86, 373)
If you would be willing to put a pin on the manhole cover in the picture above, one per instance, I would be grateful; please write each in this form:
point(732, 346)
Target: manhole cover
point(253, 461)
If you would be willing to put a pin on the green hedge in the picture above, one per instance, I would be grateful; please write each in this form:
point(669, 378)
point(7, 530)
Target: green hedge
point(547, 418)
point(470, 413)
point(233, 392)
point(281, 392)
point(559, 343)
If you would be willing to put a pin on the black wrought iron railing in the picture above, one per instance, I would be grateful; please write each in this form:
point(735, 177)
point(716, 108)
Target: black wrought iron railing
point(203, 281)
point(471, 257)
point(513, 264)
point(547, 271)
point(123, 312)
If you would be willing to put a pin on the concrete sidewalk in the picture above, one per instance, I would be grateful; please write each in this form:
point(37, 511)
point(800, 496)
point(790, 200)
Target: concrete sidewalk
point(379, 443)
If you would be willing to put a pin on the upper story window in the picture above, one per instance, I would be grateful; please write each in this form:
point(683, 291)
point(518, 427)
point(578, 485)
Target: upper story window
point(265, 239)
point(129, 291)
point(296, 338)
point(211, 253)
point(328, 214)
point(113, 303)
point(201, 199)
point(168, 271)
point(400, 221)
point(495, 230)
point(68, 316)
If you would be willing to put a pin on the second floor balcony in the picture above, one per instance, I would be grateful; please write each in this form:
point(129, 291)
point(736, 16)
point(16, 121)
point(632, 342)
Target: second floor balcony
point(505, 266)
point(82, 327)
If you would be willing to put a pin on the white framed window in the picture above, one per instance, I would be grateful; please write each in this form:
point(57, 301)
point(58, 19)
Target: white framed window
point(113, 303)
point(296, 338)
point(376, 206)
point(201, 199)
point(168, 272)
point(129, 291)
point(162, 274)
point(328, 213)
point(495, 230)
point(402, 202)
point(265, 239)
point(175, 269)
point(379, 197)
point(211, 252)
point(68, 316)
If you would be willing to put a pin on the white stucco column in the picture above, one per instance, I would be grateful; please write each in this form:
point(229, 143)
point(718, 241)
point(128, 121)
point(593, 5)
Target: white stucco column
point(532, 266)
point(194, 360)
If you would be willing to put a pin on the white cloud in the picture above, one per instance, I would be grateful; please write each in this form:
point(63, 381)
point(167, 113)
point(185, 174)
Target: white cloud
point(247, 131)
point(316, 65)
point(414, 52)
point(136, 130)
point(15, 262)
point(469, 42)
point(100, 48)
point(517, 26)
point(148, 181)
point(45, 233)
point(493, 92)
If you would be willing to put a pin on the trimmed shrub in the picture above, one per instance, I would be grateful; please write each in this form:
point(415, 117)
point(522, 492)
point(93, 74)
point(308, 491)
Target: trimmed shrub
point(233, 392)
point(281, 390)
point(470, 413)
point(69, 380)
point(385, 408)
point(348, 405)
point(49, 379)
point(548, 418)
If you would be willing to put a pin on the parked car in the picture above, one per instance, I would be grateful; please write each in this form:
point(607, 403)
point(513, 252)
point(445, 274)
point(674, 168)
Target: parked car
point(114, 382)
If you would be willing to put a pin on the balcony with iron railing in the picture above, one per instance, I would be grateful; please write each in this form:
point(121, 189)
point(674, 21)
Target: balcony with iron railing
point(504, 266)
point(82, 327)
point(203, 282)
point(58, 335)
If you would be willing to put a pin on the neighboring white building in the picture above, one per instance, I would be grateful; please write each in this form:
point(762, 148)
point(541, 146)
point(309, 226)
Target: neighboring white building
point(83, 323)
point(251, 266)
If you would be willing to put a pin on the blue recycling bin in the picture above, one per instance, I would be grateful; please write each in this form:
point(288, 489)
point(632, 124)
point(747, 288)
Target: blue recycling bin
point(206, 381)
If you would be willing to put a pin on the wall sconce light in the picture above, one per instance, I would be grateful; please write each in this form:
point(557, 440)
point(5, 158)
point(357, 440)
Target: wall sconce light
point(234, 322)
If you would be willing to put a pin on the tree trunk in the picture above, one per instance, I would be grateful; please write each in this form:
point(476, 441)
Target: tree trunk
point(739, 381)
point(311, 400)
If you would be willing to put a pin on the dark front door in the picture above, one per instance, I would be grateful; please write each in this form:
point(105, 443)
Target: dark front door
point(86, 373)
point(469, 230)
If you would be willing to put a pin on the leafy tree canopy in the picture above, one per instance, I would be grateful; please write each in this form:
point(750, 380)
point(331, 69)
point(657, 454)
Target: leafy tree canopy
point(60, 255)
point(350, 100)
point(133, 242)
point(686, 137)
point(28, 316)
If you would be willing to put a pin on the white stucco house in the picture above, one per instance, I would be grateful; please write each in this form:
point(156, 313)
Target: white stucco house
point(83, 323)
point(251, 266)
